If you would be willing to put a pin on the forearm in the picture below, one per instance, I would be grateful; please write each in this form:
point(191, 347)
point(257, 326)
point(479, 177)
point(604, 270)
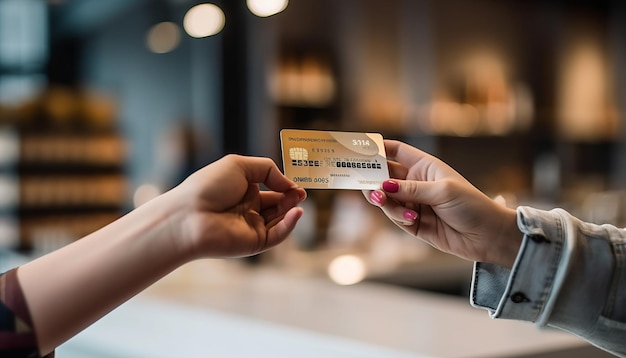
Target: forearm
point(73, 287)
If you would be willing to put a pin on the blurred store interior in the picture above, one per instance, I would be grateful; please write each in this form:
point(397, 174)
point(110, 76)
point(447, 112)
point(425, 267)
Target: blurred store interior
point(105, 104)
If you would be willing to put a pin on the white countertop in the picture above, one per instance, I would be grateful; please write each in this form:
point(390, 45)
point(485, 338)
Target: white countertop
point(219, 308)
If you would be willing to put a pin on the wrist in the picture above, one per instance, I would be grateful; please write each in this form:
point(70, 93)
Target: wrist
point(508, 240)
point(165, 214)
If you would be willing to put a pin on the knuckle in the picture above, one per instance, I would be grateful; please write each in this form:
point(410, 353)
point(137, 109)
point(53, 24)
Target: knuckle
point(232, 157)
point(449, 187)
point(412, 188)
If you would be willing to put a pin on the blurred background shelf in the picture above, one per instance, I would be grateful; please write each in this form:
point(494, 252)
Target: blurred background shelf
point(69, 168)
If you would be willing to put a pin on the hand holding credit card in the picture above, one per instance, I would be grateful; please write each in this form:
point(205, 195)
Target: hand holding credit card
point(334, 160)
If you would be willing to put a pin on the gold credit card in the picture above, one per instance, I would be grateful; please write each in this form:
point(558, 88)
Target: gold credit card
point(334, 160)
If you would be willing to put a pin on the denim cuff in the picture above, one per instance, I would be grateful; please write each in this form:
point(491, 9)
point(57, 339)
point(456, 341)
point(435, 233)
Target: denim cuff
point(523, 292)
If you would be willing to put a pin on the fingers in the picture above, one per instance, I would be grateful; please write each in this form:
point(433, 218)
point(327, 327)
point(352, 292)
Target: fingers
point(263, 170)
point(374, 197)
point(399, 214)
point(394, 210)
point(280, 213)
point(275, 205)
point(423, 166)
point(403, 153)
point(272, 198)
point(397, 170)
point(279, 232)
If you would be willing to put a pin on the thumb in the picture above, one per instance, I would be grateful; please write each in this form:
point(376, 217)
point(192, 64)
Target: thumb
point(419, 192)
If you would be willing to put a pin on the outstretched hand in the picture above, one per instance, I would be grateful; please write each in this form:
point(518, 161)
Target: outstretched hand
point(218, 211)
point(430, 200)
point(228, 215)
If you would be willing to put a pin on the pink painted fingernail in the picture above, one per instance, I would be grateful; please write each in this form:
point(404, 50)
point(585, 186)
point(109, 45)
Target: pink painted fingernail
point(410, 215)
point(391, 186)
point(377, 197)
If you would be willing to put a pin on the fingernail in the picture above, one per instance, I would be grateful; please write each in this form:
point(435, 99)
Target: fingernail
point(377, 197)
point(391, 186)
point(410, 215)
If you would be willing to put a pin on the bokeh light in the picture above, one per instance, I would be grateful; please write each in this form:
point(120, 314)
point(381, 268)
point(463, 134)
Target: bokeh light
point(145, 193)
point(265, 8)
point(163, 37)
point(204, 20)
point(346, 270)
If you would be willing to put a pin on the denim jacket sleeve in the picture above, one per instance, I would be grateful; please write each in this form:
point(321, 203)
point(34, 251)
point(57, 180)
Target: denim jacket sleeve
point(568, 274)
